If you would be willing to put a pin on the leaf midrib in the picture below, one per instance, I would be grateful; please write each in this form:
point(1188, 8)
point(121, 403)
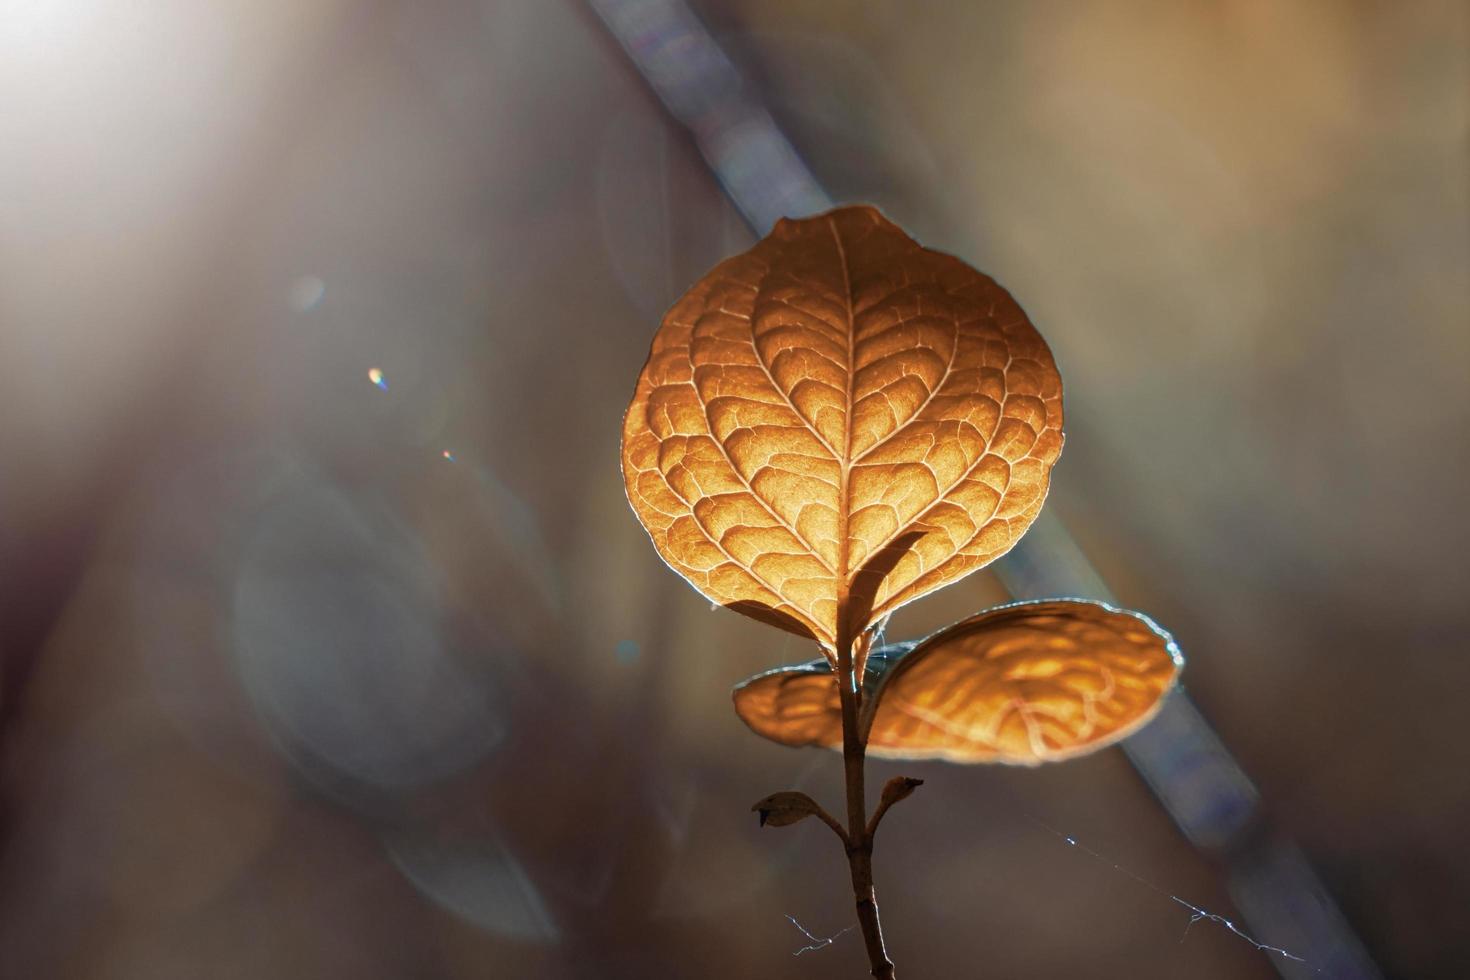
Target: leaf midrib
point(844, 517)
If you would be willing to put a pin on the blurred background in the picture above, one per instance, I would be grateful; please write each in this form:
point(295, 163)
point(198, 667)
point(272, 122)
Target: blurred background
point(329, 645)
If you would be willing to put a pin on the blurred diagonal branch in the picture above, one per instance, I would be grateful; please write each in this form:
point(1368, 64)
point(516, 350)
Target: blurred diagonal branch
point(1209, 797)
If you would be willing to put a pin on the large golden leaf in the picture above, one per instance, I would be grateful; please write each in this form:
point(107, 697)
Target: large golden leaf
point(840, 418)
point(1026, 683)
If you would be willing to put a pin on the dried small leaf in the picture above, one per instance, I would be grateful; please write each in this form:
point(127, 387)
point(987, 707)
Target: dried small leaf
point(786, 808)
point(836, 419)
point(1023, 684)
point(898, 788)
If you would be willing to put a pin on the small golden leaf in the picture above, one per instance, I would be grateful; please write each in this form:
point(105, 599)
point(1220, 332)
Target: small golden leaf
point(798, 705)
point(839, 421)
point(793, 705)
point(1024, 684)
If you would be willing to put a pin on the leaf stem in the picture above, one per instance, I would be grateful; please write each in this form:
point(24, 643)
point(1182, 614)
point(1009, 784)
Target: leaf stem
point(859, 840)
point(831, 821)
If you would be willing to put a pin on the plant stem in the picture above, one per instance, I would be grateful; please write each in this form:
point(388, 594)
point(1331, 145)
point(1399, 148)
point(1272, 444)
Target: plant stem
point(860, 842)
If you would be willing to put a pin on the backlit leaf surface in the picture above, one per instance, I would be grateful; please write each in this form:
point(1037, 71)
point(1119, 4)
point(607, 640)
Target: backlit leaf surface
point(793, 705)
point(840, 418)
point(798, 704)
point(1025, 683)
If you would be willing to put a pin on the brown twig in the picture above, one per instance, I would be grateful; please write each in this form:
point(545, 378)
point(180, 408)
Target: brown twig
point(859, 840)
point(837, 829)
point(788, 807)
